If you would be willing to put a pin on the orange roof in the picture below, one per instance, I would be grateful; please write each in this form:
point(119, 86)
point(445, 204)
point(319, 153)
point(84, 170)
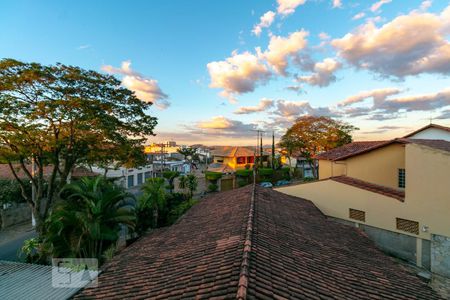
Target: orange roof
point(232, 151)
point(5, 171)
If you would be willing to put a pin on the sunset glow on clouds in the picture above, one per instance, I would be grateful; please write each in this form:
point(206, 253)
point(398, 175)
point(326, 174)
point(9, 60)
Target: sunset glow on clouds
point(217, 71)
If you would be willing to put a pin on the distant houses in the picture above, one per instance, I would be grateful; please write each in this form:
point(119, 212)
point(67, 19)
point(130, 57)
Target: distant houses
point(396, 191)
point(235, 158)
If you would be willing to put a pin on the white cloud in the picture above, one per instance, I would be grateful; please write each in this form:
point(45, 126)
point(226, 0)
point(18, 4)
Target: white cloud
point(377, 5)
point(222, 126)
point(323, 36)
point(83, 47)
point(238, 74)
point(337, 3)
point(265, 21)
point(408, 45)
point(323, 73)
point(425, 5)
point(281, 49)
point(146, 89)
point(287, 7)
point(359, 16)
point(294, 109)
point(263, 105)
point(377, 95)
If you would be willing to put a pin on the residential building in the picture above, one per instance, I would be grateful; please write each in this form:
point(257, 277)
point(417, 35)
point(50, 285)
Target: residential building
point(128, 177)
point(235, 157)
point(431, 132)
point(255, 243)
point(171, 165)
point(397, 191)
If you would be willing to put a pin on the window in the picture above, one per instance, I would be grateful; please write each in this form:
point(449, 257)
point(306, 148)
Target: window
point(250, 159)
point(147, 175)
point(407, 225)
point(241, 160)
point(401, 178)
point(130, 180)
point(358, 215)
point(139, 179)
point(220, 160)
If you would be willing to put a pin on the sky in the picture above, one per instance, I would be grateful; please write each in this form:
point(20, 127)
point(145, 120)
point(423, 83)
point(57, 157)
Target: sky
point(216, 71)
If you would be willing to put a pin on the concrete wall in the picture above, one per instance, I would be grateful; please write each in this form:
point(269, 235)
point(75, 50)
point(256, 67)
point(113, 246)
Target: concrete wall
point(440, 255)
point(379, 166)
point(329, 169)
point(16, 214)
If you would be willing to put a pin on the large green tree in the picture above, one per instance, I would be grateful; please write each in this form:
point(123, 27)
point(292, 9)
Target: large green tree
point(61, 116)
point(311, 135)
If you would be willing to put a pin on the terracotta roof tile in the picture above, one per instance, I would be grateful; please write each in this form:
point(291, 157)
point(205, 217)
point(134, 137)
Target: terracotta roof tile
point(348, 149)
point(5, 171)
point(231, 151)
point(386, 191)
point(292, 251)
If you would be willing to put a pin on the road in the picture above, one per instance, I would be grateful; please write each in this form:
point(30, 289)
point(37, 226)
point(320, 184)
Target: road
point(10, 247)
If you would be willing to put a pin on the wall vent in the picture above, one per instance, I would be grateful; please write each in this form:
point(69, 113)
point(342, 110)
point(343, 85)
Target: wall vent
point(358, 215)
point(407, 225)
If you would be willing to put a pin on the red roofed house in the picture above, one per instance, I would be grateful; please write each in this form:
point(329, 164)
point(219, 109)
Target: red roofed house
point(255, 243)
point(397, 191)
point(234, 158)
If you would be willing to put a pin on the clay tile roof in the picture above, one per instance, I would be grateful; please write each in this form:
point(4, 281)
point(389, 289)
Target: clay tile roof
point(379, 189)
point(230, 151)
point(348, 149)
point(436, 144)
point(5, 171)
point(255, 244)
point(426, 127)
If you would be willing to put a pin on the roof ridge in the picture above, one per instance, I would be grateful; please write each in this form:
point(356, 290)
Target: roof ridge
point(241, 293)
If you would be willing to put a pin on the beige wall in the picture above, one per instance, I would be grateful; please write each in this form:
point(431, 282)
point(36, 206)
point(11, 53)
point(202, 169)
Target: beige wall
point(379, 166)
point(427, 194)
point(329, 168)
point(428, 186)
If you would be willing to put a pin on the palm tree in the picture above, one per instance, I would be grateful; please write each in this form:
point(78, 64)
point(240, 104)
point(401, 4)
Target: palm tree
point(191, 184)
point(153, 200)
point(89, 218)
point(170, 176)
point(182, 182)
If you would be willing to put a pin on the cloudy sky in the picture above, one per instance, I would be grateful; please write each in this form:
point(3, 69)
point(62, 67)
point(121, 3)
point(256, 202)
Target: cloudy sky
point(218, 70)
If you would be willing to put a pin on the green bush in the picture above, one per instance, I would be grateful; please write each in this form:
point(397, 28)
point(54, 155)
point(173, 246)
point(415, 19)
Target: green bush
point(309, 179)
point(179, 210)
point(11, 192)
point(243, 173)
point(242, 183)
point(265, 172)
point(213, 188)
point(213, 176)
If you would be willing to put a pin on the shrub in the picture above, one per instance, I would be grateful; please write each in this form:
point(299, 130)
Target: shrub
point(213, 188)
point(11, 192)
point(265, 171)
point(309, 179)
point(213, 176)
point(244, 173)
point(179, 210)
point(242, 183)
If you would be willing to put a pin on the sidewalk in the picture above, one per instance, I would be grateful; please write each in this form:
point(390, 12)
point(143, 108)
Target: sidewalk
point(11, 233)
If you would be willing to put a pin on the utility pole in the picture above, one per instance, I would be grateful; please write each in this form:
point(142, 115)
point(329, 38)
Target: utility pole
point(273, 150)
point(33, 189)
point(261, 150)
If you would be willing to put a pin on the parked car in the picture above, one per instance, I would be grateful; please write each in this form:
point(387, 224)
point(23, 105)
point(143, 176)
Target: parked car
point(282, 182)
point(266, 184)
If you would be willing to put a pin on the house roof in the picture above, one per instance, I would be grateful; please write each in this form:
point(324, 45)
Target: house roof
point(5, 171)
point(30, 281)
point(436, 126)
point(230, 151)
point(255, 243)
point(357, 148)
point(379, 189)
point(219, 167)
point(348, 149)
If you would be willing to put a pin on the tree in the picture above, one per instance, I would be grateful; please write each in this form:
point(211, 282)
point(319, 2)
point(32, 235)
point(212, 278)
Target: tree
point(88, 219)
point(59, 116)
point(189, 154)
point(311, 135)
point(182, 183)
point(170, 176)
point(153, 201)
point(191, 184)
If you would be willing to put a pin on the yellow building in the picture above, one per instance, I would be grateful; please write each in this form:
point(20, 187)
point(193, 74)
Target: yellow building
point(397, 192)
point(235, 157)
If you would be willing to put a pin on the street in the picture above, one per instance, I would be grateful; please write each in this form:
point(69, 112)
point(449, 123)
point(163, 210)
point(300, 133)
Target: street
point(11, 240)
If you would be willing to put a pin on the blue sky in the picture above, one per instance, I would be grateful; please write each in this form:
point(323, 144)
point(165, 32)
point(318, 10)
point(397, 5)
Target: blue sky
point(383, 66)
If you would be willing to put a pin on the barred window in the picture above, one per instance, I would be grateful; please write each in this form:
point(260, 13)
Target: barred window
point(358, 215)
point(401, 178)
point(407, 225)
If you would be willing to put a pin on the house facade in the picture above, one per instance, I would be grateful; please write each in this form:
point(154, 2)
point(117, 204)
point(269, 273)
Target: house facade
point(235, 157)
point(128, 177)
point(397, 191)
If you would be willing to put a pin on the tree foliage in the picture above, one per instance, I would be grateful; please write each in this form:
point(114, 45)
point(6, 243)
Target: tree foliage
point(311, 135)
point(62, 116)
point(151, 204)
point(88, 219)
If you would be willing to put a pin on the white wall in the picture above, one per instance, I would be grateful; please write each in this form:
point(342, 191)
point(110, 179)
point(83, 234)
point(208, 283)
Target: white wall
point(432, 134)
